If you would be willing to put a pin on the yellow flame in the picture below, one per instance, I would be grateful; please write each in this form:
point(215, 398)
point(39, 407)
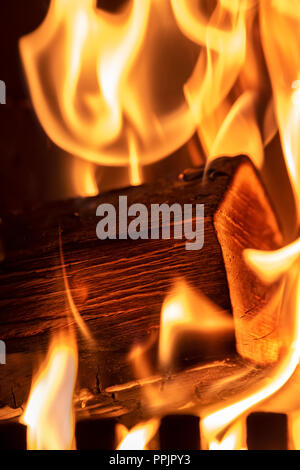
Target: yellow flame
point(49, 414)
point(223, 96)
point(76, 314)
point(93, 74)
point(140, 435)
point(184, 311)
point(135, 172)
point(83, 177)
point(270, 266)
point(233, 439)
point(294, 430)
point(290, 348)
point(280, 34)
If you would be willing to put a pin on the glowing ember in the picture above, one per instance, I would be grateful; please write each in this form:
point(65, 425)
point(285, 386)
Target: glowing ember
point(49, 412)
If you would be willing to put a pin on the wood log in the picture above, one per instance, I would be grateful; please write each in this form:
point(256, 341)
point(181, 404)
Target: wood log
point(118, 286)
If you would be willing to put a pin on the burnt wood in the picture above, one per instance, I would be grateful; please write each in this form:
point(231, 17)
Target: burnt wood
point(118, 286)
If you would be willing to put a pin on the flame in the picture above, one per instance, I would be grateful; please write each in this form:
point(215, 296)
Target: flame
point(270, 266)
point(76, 314)
point(234, 438)
point(280, 38)
point(184, 311)
point(290, 347)
point(94, 75)
point(49, 413)
point(223, 96)
point(83, 177)
point(140, 435)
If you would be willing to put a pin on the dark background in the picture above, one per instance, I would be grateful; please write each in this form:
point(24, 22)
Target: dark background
point(33, 170)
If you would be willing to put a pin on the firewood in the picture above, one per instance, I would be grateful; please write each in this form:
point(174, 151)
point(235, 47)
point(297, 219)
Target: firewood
point(118, 286)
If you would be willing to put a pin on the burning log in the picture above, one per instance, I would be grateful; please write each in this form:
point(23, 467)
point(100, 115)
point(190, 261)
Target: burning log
point(267, 431)
point(118, 286)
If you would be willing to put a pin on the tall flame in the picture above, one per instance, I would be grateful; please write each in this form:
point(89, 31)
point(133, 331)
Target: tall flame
point(49, 412)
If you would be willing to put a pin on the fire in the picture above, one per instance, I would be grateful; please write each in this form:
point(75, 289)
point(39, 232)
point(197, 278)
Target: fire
point(135, 173)
point(83, 178)
point(99, 90)
point(233, 439)
point(139, 436)
point(223, 96)
point(185, 311)
point(49, 413)
point(294, 430)
point(91, 79)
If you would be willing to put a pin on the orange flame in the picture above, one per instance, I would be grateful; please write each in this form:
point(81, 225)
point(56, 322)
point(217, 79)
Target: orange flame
point(281, 37)
point(49, 413)
point(139, 436)
point(290, 334)
point(83, 178)
point(233, 439)
point(90, 75)
point(76, 315)
point(294, 430)
point(221, 93)
point(184, 311)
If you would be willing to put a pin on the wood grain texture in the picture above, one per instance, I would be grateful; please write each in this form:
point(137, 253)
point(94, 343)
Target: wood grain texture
point(117, 286)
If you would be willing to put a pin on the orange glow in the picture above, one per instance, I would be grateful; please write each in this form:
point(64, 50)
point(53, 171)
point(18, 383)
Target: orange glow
point(91, 78)
point(140, 435)
point(49, 414)
point(185, 311)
